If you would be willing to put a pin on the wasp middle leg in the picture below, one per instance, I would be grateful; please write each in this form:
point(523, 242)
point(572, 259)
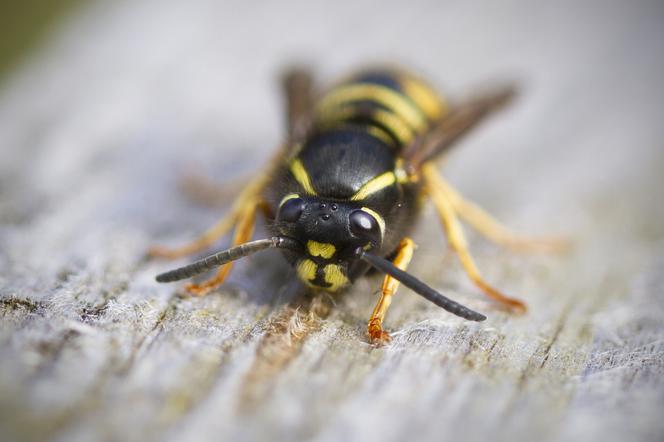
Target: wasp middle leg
point(455, 236)
point(390, 286)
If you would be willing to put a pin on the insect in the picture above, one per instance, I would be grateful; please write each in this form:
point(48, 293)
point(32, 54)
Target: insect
point(346, 187)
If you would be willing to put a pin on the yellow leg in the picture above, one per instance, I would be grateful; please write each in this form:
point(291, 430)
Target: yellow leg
point(456, 237)
point(203, 242)
point(248, 197)
point(207, 193)
point(390, 286)
point(494, 230)
point(243, 233)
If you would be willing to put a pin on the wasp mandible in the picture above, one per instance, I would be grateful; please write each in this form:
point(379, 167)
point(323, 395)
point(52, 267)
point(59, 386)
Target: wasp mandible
point(346, 187)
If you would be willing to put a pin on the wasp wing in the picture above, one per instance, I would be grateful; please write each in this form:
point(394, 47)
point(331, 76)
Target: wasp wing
point(463, 117)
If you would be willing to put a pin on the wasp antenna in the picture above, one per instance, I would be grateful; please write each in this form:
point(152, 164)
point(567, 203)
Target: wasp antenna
point(421, 288)
point(226, 256)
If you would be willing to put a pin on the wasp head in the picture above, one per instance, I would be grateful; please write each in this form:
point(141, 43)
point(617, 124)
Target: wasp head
point(331, 233)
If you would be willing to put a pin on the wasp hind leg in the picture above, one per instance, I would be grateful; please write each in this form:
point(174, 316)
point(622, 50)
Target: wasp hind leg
point(495, 231)
point(203, 242)
point(212, 194)
point(297, 85)
point(249, 198)
point(244, 230)
point(447, 213)
point(390, 285)
point(298, 90)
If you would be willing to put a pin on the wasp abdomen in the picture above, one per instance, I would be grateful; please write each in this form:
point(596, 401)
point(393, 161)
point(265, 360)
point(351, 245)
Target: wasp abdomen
point(393, 106)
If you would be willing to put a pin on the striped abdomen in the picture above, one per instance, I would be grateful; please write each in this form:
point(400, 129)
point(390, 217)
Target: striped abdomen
point(393, 106)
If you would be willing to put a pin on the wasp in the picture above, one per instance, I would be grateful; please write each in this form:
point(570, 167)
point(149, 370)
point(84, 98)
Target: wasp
point(347, 185)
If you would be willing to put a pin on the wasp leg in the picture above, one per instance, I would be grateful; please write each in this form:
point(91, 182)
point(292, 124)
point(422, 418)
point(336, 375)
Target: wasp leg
point(243, 232)
point(297, 84)
point(298, 88)
point(456, 237)
point(247, 198)
point(495, 231)
point(390, 286)
point(208, 193)
point(203, 242)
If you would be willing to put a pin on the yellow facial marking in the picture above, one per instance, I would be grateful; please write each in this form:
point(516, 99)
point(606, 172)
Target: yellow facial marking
point(374, 185)
point(427, 100)
point(379, 219)
point(290, 196)
point(324, 250)
point(306, 270)
point(302, 176)
point(335, 277)
point(387, 97)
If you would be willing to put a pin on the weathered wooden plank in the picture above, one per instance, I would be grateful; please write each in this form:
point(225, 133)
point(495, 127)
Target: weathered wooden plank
point(98, 132)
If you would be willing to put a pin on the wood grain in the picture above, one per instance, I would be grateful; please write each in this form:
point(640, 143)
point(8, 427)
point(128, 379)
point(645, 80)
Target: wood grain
point(100, 127)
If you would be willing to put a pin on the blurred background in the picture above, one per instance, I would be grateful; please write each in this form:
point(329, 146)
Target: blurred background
point(179, 84)
point(106, 106)
point(25, 26)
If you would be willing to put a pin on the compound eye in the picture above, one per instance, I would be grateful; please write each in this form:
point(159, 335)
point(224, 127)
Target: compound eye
point(291, 210)
point(365, 225)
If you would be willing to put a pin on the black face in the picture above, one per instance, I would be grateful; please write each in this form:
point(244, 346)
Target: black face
point(330, 233)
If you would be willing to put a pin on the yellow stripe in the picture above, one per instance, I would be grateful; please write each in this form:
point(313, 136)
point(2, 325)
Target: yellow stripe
point(385, 96)
point(380, 219)
point(302, 177)
point(332, 116)
point(426, 99)
point(400, 130)
point(335, 277)
point(325, 250)
point(381, 135)
point(374, 185)
point(395, 125)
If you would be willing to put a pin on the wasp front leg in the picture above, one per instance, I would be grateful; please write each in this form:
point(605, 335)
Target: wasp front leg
point(390, 285)
point(448, 216)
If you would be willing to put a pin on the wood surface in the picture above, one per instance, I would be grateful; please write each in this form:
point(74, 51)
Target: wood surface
point(100, 127)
